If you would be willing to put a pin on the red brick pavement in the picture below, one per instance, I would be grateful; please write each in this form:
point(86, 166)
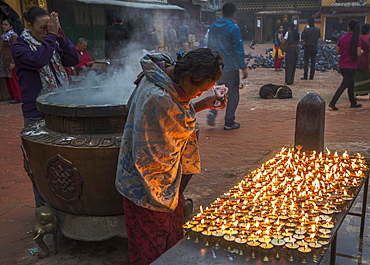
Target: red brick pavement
point(227, 156)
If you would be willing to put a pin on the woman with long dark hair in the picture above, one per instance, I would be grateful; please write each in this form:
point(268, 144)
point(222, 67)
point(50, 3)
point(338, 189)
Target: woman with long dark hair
point(292, 36)
point(349, 49)
point(362, 73)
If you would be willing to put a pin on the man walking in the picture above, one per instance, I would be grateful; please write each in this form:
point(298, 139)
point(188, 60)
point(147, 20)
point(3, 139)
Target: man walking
point(224, 36)
point(310, 36)
point(116, 40)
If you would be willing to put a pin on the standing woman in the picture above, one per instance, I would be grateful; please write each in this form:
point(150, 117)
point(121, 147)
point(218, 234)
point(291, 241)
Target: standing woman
point(362, 72)
point(278, 54)
point(349, 49)
point(39, 55)
point(9, 37)
point(292, 36)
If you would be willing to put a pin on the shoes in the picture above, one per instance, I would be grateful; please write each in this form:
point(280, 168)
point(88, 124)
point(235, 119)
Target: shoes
point(211, 119)
point(279, 69)
point(311, 78)
point(304, 78)
point(333, 107)
point(236, 125)
point(356, 106)
point(14, 101)
point(291, 83)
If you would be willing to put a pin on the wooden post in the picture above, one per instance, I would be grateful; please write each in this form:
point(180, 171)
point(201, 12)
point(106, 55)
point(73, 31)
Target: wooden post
point(310, 123)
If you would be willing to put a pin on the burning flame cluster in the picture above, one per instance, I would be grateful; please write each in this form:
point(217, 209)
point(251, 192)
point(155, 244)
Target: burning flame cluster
point(293, 196)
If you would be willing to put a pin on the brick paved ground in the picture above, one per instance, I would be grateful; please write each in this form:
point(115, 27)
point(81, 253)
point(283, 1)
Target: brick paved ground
point(227, 156)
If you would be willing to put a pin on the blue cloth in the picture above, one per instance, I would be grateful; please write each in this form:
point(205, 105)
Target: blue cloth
point(224, 36)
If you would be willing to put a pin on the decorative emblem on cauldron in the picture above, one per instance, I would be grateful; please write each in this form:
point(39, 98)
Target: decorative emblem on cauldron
point(64, 179)
point(87, 130)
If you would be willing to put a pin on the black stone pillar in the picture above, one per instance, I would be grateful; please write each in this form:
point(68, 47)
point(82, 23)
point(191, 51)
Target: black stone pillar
point(310, 123)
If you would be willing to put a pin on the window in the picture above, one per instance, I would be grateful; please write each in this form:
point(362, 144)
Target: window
point(81, 14)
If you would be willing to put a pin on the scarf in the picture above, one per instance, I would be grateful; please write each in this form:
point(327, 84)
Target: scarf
point(49, 80)
point(6, 36)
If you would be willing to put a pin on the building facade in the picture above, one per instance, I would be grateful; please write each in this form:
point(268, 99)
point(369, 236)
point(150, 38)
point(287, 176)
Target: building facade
point(259, 20)
point(335, 15)
point(90, 18)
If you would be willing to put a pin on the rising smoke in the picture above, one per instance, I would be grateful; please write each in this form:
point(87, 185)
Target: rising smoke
point(111, 86)
point(114, 86)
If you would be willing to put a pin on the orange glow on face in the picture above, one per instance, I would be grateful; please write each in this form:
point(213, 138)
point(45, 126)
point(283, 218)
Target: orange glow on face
point(193, 91)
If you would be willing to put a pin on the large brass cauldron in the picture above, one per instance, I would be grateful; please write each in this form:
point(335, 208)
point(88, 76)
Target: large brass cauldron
point(72, 156)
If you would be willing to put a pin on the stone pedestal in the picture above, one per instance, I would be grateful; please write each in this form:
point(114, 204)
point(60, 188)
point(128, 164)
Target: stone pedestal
point(91, 228)
point(310, 123)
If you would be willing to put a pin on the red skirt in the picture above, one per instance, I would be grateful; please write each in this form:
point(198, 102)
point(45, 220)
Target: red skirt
point(151, 233)
point(13, 86)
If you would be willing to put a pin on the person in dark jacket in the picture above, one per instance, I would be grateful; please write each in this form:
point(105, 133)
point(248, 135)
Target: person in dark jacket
point(310, 36)
point(40, 54)
point(150, 40)
point(116, 40)
point(293, 38)
point(224, 36)
point(183, 35)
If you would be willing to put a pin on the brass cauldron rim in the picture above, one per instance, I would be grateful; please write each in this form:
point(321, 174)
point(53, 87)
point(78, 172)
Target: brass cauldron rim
point(73, 110)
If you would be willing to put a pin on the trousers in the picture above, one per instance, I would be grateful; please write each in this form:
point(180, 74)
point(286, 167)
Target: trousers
point(291, 60)
point(231, 80)
point(347, 82)
point(151, 233)
point(309, 55)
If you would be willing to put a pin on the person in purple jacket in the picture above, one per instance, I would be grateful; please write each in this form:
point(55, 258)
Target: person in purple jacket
point(39, 55)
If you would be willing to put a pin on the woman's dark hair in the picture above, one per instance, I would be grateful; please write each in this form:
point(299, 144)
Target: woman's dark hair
point(201, 65)
point(34, 13)
point(278, 27)
point(293, 30)
point(9, 21)
point(365, 29)
point(354, 26)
